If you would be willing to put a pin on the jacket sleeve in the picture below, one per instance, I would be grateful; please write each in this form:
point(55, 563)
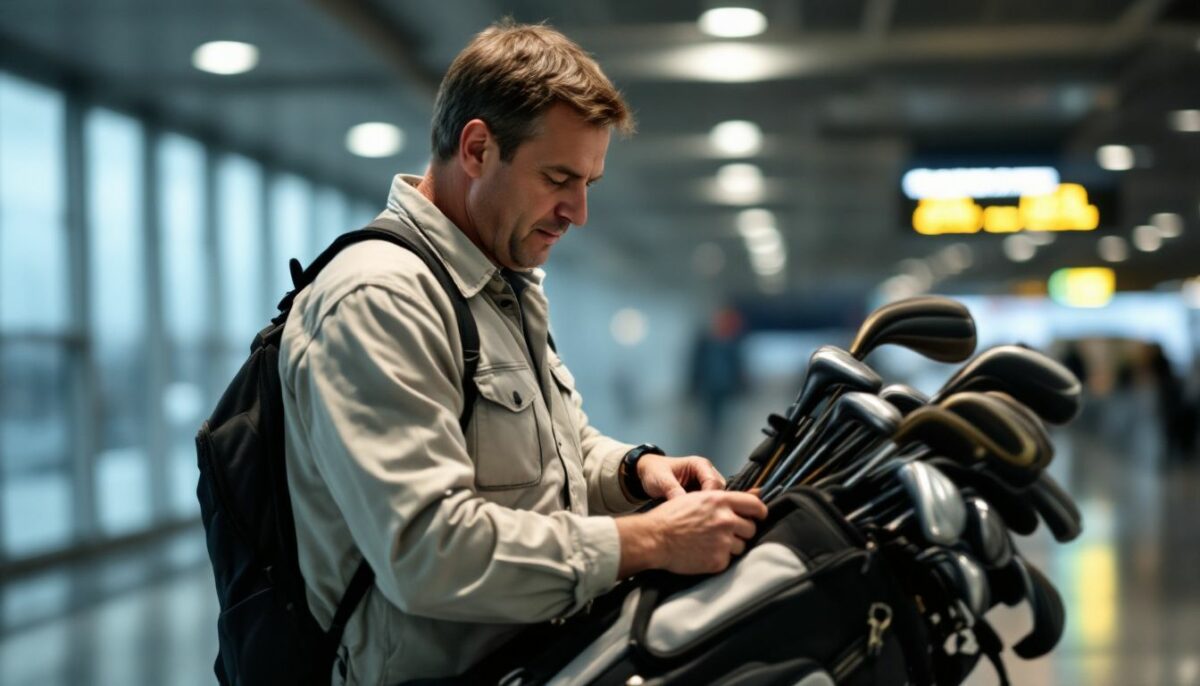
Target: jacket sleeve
point(377, 391)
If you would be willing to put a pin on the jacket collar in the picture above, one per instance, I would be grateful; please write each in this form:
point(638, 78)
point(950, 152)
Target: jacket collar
point(468, 266)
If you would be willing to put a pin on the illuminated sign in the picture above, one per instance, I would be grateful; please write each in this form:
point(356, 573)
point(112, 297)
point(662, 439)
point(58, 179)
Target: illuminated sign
point(979, 182)
point(1083, 287)
point(1065, 208)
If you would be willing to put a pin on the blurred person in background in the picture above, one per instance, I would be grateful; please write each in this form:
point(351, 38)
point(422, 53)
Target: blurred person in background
point(472, 534)
point(718, 372)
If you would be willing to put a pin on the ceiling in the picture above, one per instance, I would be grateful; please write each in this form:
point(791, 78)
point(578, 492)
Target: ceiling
point(848, 94)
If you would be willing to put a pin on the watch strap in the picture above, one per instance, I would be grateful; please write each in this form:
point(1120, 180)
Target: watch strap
point(630, 479)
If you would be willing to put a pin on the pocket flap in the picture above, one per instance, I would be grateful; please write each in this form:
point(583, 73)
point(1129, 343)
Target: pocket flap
point(509, 388)
point(562, 375)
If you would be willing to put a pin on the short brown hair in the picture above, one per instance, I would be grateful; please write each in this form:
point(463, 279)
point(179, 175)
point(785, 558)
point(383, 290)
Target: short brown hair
point(509, 75)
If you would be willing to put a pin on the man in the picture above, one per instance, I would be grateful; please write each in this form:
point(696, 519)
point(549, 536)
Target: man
point(472, 535)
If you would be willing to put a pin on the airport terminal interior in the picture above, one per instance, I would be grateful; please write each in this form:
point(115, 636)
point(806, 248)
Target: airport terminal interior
point(797, 164)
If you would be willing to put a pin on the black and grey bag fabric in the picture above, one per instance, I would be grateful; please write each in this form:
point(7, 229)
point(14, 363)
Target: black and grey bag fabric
point(811, 602)
point(266, 633)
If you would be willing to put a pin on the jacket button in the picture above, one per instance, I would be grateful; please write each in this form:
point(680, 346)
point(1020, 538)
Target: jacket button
point(516, 397)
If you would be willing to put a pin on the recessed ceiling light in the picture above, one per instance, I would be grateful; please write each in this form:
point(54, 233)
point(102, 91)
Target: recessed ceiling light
point(740, 180)
point(1115, 157)
point(225, 57)
point(1113, 249)
point(1041, 238)
point(1187, 121)
point(1169, 224)
point(899, 287)
point(737, 138)
point(957, 257)
point(1147, 238)
point(1019, 248)
point(375, 139)
point(628, 326)
point(733, 22)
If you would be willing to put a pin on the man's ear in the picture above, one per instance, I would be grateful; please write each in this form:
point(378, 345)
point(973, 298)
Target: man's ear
point(473, 147)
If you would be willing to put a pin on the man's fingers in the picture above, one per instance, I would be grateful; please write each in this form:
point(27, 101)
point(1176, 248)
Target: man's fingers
point(674, 491)
point(744, 529)
point(747, 505)
point(738, 547)
point(712, 481)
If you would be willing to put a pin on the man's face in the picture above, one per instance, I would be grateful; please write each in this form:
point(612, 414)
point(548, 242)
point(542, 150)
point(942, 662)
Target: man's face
point(522, 207)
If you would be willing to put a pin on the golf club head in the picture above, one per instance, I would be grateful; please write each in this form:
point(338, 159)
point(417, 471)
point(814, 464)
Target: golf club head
point(1012, 506)
point(939, 429)
point(1011, 584)
point(1021, 457)
point(1049, 617)
point(961, 574)
point(935, 327)
point(830, 368)
point(986, 534)
point(904, 397)
point(948, 434)
point(936, 502)
point(1057, 508)
point(974, 582)
point(1036, 381)
point(848, 411)
point(1032, 423)
point(868, 410)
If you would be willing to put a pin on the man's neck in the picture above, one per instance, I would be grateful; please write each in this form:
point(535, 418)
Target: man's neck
point(448, 193)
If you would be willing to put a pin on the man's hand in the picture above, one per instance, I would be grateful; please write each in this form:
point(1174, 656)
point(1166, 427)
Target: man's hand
point(695, 533)
point(671, 477)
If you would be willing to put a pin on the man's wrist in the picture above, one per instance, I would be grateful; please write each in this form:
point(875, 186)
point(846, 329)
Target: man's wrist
point(631, 481)
point(641, 547)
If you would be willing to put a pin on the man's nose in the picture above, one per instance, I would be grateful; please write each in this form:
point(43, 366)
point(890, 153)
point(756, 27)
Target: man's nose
point(574, 209)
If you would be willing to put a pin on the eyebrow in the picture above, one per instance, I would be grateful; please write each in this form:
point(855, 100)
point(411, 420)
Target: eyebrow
point(562, 169)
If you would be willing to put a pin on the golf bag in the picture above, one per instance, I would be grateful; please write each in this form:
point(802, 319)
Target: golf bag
point(811, 602)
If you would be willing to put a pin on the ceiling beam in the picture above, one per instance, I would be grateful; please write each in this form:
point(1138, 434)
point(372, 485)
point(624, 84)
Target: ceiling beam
point(677, 52)
point(378, 30)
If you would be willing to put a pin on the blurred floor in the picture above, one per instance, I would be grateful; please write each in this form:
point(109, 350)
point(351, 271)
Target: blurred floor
point(1131, 582)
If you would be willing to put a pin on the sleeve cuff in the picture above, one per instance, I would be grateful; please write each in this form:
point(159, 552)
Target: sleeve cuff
point(611, 490)
point(599, 545)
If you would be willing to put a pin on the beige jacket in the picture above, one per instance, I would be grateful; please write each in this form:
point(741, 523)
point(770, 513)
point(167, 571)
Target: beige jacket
point(469, 536)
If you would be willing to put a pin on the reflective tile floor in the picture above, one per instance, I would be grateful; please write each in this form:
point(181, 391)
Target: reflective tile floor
point(1131, 584)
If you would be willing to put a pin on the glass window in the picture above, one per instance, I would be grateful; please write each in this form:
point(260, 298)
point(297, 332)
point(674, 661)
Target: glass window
point(33, 240)
point(186, 316)
point(36, 499)
point(331, 216)
point(244, 308)
point(35, 398)
point(291, 223)
point(116, 294)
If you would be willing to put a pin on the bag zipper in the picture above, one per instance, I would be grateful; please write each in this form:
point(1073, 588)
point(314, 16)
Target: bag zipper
point(879, 618)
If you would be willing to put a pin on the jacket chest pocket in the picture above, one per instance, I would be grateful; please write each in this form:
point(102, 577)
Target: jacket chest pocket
point(504, 437)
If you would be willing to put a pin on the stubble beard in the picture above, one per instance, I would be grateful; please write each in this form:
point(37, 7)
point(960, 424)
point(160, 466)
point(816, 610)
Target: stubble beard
point(524, 256)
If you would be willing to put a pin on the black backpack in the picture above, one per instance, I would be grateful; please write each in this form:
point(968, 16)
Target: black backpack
point(266, 633)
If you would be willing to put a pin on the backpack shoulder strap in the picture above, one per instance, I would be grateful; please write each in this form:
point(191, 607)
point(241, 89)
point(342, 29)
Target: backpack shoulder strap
point(403, 235)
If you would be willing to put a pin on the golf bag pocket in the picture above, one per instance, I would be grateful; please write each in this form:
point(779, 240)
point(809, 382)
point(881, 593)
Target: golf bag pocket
point(688, 619)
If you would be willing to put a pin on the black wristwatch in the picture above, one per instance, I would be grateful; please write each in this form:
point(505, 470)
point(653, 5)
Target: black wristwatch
point(631, 481)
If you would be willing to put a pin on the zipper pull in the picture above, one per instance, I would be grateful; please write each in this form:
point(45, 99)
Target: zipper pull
point(879, 618)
